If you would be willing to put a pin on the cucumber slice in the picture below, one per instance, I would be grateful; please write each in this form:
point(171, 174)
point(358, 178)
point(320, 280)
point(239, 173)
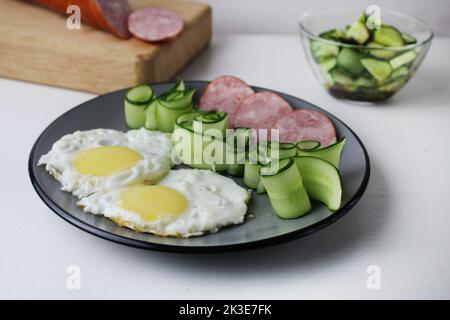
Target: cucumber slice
point(380, 70)
point(349, 60)
point(197, 150)
point(308, 145)
point(408, 39)
point(333, 34)
point(331, 154)
point(394, 85)
point(136, 99)
point(381, 53)
point(251, 174)
point(400, 72)
point(171, 105)
point(179, 86)
point(327, 65)
point(341, 77)
point(285, 189)
point(279, 150)
point(358, 32)
point(365, 82)
point(321, 180)
point(403, 59)
point(211, 120)
point(388, 36)
point(151, 119)
point(321, 50)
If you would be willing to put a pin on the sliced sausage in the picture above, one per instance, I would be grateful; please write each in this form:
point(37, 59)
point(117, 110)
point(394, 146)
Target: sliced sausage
point(109, 15)
point(306, 124)
point(261, 110)
point(155, 24)
point(225, 93)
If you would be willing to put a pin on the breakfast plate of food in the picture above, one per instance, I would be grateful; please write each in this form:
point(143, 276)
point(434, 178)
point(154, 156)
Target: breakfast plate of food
point(196, 166)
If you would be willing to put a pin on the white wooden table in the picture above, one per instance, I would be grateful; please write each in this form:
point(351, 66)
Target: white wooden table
point(401, 225)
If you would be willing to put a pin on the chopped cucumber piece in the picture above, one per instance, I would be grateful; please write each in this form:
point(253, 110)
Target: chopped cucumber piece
point(380, 70)
point(358, 32)
point(349, 60)
point(333, 34)
point(331, 153)
point(408, 39)
point(388, 36)
point(381, 53)
point(327, 64)
point(285, 189)
point(136, 100)
point(394, 85)
point(321, 50)
point(365, 82)
point(321, 180)
point(403, 59)
point(341, 77)
point(400, 72)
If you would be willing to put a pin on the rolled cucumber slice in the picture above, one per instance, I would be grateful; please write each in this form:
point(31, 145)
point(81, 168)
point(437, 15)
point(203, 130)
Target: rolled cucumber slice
point(285, 189)
point(321, 180)
point(171, 105)
point(195, 149)
point(136, 100)
point(388, 36)
point(251, 174)
point(331, 154)
point(279, 150)
point(349, 60)
point(379, 69)
point(403, 59)
point(307, 145)
point(358, 32)
point(151, 119)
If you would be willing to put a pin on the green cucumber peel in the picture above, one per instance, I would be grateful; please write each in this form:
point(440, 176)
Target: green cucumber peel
point(331, 153)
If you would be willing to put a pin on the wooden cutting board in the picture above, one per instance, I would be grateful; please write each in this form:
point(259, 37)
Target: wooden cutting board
point(36, 46)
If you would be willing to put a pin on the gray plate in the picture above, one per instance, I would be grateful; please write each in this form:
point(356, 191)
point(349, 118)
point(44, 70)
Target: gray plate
point(264, 229)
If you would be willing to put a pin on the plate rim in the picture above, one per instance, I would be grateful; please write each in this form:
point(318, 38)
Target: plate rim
point(106, 235)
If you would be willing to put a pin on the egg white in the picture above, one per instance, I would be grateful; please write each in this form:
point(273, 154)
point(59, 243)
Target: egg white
point(153, 146)
point(213, 201)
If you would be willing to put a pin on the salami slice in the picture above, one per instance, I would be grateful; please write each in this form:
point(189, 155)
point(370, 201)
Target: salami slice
point(225, 93)
point(109, 15)
point(155, 24)
point(261, 110)
point(306, 124)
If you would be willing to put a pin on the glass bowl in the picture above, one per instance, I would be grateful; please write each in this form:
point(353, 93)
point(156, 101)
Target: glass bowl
point(361, 85)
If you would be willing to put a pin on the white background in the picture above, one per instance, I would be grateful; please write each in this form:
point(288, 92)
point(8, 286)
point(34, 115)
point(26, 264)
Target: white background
point(401, 224)
point(280, 16)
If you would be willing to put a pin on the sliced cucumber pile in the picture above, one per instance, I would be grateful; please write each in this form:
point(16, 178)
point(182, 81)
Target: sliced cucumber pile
point(144, 109)
point(362, 63)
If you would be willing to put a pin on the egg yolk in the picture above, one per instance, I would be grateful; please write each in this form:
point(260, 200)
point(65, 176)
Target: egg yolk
point(105, 161)
point(152, 202)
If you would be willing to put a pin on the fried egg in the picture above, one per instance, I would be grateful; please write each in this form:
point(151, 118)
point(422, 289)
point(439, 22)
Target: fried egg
point(86, 162)
point(185, 203)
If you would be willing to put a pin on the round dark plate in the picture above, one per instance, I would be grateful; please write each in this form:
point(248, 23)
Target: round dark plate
point(265, 228)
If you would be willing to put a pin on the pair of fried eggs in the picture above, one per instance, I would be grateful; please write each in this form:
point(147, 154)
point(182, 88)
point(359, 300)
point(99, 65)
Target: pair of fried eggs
point(127, 177)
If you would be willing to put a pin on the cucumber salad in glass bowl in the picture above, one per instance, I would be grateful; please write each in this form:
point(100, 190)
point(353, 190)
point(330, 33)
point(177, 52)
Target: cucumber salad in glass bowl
point(367, 60)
